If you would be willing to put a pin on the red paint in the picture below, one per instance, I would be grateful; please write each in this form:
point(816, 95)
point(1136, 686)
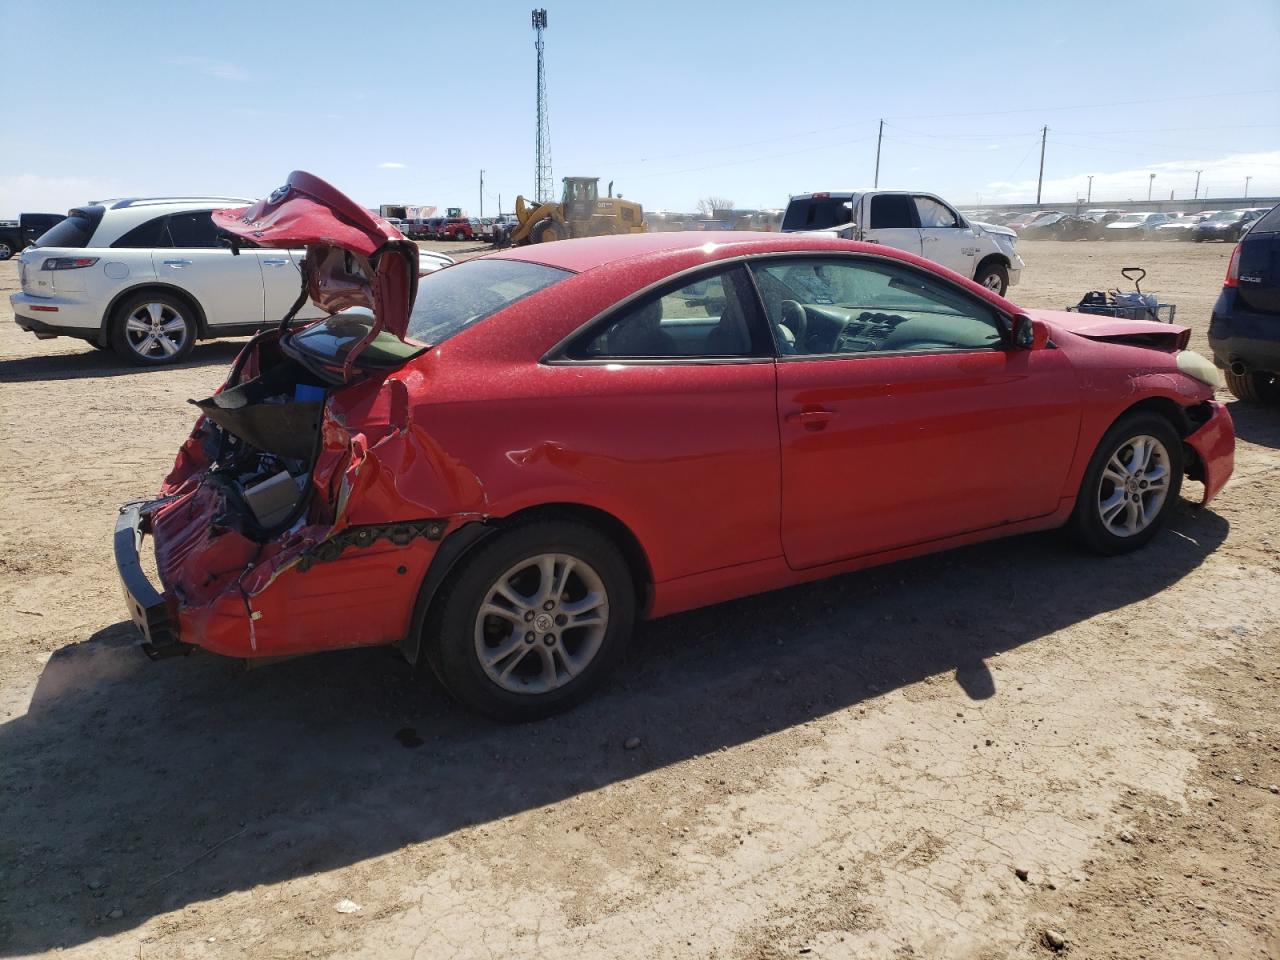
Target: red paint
point(733, 477)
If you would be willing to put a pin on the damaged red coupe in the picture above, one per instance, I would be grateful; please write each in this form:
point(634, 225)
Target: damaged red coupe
point(501, 466)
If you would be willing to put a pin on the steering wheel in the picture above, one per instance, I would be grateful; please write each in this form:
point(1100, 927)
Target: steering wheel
point(796, 320)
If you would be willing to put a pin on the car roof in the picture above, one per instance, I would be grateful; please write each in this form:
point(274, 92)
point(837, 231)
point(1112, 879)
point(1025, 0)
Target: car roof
point(121, 216)
point(590, 252)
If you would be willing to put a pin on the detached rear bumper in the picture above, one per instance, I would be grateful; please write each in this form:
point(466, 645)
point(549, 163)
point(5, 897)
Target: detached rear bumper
point(1215, 443)
point(147, 605)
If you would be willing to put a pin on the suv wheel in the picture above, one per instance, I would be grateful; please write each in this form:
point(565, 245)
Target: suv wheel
point(533, 620)
point(153, 328)
point(1256, 386)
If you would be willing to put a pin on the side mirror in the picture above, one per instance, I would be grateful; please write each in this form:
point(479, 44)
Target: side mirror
point(1029, 334)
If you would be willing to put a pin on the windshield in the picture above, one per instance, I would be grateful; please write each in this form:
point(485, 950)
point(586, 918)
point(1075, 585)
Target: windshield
point(332, 339)
point(1226, 216)
point(452, 299)
point(817, 213)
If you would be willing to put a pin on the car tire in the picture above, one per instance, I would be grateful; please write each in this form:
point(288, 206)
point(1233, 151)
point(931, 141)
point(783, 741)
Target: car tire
point(1256, 386)
point(151, 329)
point(994, 276)
point(1131, 484)
point(6, 250)
point(488, 662)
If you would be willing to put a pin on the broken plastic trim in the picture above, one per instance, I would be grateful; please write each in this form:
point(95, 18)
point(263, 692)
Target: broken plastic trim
point(400, 534)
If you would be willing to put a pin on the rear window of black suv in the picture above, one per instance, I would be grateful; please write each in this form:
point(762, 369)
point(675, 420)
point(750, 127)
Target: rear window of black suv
point(1270, 222)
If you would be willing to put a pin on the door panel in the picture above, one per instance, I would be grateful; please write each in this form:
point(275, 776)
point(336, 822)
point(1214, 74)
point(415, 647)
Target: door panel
point(891, 220)
point(228, 287)
point(943, 239)
point(883, 451)
point(282, 282)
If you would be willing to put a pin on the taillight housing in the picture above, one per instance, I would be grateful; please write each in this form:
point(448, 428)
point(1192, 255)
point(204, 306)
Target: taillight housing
point(1233, 269)
point(67, 263)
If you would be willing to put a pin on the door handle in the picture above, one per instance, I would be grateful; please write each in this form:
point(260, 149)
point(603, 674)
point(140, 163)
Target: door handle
point(811, 419)
point(177, 263)
point(274, 263)
point(930, 238)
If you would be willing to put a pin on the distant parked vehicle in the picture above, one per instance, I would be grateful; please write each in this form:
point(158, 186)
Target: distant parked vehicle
point(1228, 225)
point(1244, 330)
point(1022, 221)
point(1134, 226)
point(918, 223)
point(1043, 228)
point(17, 235)
point(1181, 228)
point(459, 228)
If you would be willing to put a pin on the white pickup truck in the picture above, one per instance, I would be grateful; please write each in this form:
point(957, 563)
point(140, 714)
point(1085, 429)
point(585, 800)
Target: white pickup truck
point(918, 223)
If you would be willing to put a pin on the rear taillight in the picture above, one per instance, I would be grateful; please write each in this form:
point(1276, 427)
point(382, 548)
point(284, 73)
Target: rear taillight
point(1233, 269)
point(68, 263)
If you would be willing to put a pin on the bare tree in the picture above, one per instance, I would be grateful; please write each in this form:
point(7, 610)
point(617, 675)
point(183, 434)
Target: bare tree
point(707, 205)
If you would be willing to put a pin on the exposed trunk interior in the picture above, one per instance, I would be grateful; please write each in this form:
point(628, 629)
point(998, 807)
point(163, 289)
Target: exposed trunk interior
point(269, 435)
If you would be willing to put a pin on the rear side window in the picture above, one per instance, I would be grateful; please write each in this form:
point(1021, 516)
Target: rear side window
point(194, 229)
point(817, 213)
point(75, 231)
point(891, 210)
point(452, 299)
point(1269, 223)
point(145, 235)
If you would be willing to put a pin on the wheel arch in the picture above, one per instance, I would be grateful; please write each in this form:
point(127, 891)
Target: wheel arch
point(456, 547)
point(108, 315)
point(999, 258)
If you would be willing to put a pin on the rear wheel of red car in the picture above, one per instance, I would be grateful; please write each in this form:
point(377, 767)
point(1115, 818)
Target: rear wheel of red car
point(533, 620)
point(1131, 484)
point(1254, 386)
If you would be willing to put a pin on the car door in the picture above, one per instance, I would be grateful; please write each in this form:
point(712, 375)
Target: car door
point(282, 283)
point(944, 236)
point(228, 287)
point(680, 424)
point(891, 219)
point(904, 414)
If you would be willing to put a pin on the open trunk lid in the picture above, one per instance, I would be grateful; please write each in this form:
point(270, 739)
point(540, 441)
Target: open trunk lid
point(354, 259)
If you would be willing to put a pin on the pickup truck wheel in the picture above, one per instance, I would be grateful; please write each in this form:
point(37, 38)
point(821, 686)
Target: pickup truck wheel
point(153, 328)
point(993, 276)
point(6, 251)
point(1256, 386)
point(533, 620)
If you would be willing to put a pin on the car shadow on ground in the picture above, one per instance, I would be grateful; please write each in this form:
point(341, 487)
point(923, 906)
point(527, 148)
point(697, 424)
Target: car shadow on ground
point(146, 787)
point(1257, 423)
point(104, 363)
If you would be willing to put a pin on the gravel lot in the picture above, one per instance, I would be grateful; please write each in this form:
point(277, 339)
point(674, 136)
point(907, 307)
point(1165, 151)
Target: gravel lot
point(949, 757)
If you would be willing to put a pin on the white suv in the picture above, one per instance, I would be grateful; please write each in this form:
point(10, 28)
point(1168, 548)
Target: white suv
point(149, 277)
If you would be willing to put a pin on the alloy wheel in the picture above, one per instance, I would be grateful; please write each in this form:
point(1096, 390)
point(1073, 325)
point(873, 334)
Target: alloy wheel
point(541, 623)
point(156, 331)
point(992, 282)
point(1134, 486)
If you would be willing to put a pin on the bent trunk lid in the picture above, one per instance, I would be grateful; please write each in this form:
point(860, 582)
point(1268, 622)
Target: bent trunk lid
point(354, 259)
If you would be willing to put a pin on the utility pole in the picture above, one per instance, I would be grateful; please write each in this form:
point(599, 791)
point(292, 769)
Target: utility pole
point(1196, 195)
point(1246, 187)
point(879, 137)
point(1151, 182)
point(1089, 198)
point(542, 161)
point(482, 193)
point(1044, 135)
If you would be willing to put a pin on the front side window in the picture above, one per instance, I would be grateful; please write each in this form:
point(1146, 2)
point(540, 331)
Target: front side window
point(892, 211)
point(934, 214)
point(193, 230)
point(847, 306)
point(708, 317)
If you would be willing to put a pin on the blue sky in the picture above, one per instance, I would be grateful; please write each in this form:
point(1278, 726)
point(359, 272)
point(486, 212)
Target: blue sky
point(399, 101)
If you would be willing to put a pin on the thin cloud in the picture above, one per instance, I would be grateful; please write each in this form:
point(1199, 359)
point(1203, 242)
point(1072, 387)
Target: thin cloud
point(221, 69)
point(392, 165)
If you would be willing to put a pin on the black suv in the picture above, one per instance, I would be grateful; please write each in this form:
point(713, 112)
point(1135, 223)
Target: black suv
point(1244, 331)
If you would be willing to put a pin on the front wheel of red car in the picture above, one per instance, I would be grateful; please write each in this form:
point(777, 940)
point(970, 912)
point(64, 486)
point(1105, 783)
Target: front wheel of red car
point(533, 620)
point(1130, 486)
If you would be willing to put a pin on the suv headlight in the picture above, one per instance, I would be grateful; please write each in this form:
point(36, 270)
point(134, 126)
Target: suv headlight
point(1199, 368)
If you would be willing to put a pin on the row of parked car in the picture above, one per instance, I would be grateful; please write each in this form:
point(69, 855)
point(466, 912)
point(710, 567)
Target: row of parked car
point(454, 228)
point(1104, 224)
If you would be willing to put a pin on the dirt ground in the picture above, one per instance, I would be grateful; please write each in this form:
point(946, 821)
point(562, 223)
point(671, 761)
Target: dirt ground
point(948, 757)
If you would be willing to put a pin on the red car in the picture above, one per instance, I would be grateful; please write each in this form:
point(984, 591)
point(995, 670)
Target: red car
point(502, 468)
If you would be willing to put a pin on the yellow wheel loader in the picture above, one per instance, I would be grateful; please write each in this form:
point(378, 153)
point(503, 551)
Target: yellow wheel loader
point(581, 213)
